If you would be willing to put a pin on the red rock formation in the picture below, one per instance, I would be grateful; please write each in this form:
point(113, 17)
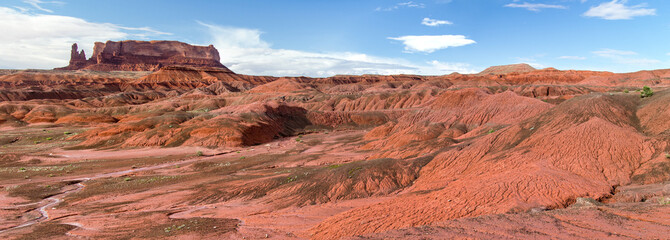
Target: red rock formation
point(77, 59)
point(144, 56)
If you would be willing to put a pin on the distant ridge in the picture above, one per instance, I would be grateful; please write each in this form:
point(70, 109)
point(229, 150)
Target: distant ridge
point(505, 69)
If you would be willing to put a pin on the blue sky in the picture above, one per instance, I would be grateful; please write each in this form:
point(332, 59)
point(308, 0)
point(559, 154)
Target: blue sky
point(324, 38)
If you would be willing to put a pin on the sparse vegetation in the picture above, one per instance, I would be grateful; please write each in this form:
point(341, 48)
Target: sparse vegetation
point(334, 166)
point(491, 131)
point(646, 92)
point(35, 192)
point(201, 110)
point(291, 179)
point(39, 168)
point(47, 230)
point(353, 171)
point(199, 153)
point(192, 225)
point(174, 227)
point(663, 200)
point(625, 91)
point(667, 155)
point(35, 161)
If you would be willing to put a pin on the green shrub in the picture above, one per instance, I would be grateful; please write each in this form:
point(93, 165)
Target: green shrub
point(646, 92)
point(667, 155)
point(199, 153)
point(625, 91)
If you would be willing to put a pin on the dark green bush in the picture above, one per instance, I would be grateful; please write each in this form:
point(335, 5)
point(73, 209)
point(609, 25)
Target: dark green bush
point(646, 92)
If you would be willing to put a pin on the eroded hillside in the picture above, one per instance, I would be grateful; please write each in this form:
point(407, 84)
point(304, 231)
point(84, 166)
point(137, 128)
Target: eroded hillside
point(191, 152)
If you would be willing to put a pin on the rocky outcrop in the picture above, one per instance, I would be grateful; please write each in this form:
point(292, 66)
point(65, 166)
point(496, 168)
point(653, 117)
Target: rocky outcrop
point(77, 59)
point(133, 55)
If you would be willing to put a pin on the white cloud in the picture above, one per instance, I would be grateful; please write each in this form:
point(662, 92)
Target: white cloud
point(536, 7)
point(36, 4)
point(21, 9)
point(572, 57)
point(439, 68)
point(610, 53)
point(617, 10)
point(43, 41)
point(409, 4)
point(431, 43)
point(243, 51)
point(625, 57)
point(434, 22)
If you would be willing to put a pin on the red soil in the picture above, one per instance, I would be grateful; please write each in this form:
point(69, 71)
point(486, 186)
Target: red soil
point(456, 156)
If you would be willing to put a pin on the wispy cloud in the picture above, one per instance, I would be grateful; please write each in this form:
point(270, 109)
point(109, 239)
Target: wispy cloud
point(143, 32)
point(397, 6)
point(434, 22)
point(610, 53)
point(535, 7)
point(431, 43)
point(244, 51)
point(572, 57)
point(36, 4)
point(46, 42)
point(624, 57)
point(617, 10)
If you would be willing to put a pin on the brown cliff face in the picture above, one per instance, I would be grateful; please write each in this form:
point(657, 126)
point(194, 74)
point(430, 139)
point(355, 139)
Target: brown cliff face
point(133, 55)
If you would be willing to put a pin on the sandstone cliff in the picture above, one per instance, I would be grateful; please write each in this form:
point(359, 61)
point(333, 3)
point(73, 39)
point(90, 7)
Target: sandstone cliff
point(133, 55)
